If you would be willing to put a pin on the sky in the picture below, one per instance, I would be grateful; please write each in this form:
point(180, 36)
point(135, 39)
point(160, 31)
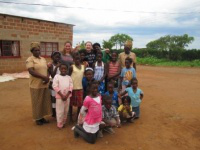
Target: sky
point(144, 20)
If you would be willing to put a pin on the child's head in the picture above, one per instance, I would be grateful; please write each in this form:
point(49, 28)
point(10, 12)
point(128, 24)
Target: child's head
point(99, 56)
point(110, 87)
point(93, 88)
point(77, 58)
point(128, 62)
point(63, 69)
point(126, 101)
point(114, 56)
point(107, 101)
point(55, 56)
point(82, 54)
point(134, 83)
point(96, 47)
point(89, 73)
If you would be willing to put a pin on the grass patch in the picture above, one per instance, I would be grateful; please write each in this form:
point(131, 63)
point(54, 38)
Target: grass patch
point(164, 62)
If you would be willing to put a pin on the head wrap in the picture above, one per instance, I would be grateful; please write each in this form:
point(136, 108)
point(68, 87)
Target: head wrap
point(128, 44)
point(35, 45)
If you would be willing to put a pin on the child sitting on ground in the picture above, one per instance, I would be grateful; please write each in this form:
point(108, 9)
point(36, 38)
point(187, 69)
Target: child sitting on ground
point(110, 115)
point(125, 110)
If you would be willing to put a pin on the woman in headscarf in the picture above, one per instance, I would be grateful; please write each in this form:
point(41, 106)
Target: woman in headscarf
point(38, 82)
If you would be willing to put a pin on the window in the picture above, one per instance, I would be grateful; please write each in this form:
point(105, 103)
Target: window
point(47, 48)
point(9, 48)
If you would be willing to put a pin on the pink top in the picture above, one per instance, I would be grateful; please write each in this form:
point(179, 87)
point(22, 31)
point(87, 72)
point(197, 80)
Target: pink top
point(113, 68)
point(94, 114)
point(62, 84)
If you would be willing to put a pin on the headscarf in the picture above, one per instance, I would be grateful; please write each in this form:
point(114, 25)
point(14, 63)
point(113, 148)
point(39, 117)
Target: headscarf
point(34, 45)
point(128, 44)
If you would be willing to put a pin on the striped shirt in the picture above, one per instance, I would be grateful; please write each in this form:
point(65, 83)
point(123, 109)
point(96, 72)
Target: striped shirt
point(113, 68)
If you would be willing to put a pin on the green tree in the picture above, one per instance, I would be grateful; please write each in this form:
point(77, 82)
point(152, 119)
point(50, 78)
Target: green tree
point(108, 44)
point(170, 43)
point(82, 45)
point(120, 39)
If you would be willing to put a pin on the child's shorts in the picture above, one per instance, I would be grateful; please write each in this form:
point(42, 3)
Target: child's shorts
point(137, 111)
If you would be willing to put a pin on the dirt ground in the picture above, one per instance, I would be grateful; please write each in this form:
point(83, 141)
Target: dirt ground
point(170, 117)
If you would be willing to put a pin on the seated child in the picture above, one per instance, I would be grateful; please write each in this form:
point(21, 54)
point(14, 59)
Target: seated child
point(110, 115)
point(125, 110)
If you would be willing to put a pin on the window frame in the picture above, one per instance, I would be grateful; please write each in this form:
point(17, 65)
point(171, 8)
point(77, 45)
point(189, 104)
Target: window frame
point(1, 49)
point(46, 56)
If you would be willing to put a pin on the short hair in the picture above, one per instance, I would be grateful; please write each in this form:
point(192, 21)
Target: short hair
point(114, 51)
point(64, 64)
point(93, 83)
point(133, 79)
point(54, 53)
point(106, 98)
point(126, 98)
point(129, 59)
point(76, 54)
point(96, 44)
point(82, 51)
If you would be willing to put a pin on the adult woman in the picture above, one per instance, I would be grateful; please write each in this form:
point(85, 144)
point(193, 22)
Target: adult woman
point(38, 82)
point(66, 57)
point(89, 55)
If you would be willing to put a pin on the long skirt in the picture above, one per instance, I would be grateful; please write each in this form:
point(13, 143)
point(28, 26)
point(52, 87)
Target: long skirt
point(41, 103)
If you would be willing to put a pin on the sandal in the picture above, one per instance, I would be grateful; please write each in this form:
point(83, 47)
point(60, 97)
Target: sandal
point(39, 122)
point(44, 121)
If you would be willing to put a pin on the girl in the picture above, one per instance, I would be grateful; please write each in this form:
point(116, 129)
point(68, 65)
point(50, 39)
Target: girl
point(77, 75)
point(63, 85)
point(83, 60)
point(113, 69)
point(125, 110)
point(136, 96)
point(92, 104)
point(113, 94)
point(127, 74)
point(53, 70)
point(100, 73)
point(89, 77)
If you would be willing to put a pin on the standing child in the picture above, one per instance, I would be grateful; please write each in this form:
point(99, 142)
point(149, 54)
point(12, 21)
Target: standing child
point(127, 74)
point(113, 94)
point(89, 78)
point(77, 75)
point(100, 72)
point(114, 69)
point(125, 110)
point(136, 96)
point(53, 69)
point(110, 115)
point(91, 104)
point(83, 59)
point(63, 85)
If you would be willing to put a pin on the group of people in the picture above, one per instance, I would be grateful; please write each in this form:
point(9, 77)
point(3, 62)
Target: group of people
point(100, 83)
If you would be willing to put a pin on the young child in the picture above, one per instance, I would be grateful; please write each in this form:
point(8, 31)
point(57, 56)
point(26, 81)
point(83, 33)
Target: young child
point(89, 77)
point(110, 115)
point(77, 75)
point(125, 110)
point(136, 96)
point(92, 120)
point(83, 59)
point(114, 69)
point(53, 70)
point(127, 74)
point(100, 72)
point(63, 85)
point(113, 94)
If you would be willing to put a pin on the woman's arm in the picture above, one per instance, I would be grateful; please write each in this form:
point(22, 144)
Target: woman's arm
point(38, 75)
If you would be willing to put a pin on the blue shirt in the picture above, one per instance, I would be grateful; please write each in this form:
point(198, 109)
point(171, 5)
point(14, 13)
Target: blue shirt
point(127, 75)
point(114, 98)
point(135, 97)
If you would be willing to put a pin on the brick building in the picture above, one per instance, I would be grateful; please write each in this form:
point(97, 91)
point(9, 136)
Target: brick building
point(16, 34)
